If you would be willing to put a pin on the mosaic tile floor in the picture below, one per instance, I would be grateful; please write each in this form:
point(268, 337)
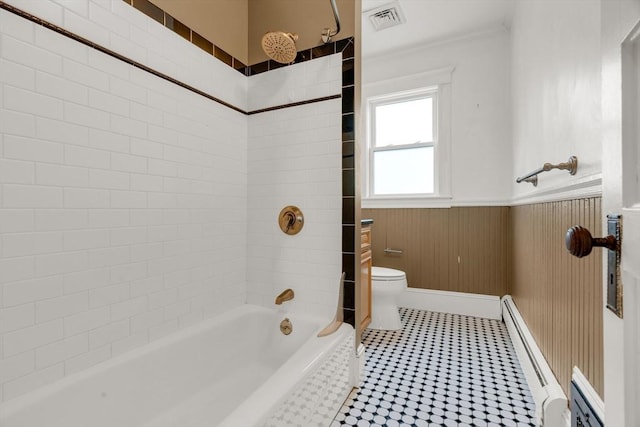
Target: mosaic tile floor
point(440, 370)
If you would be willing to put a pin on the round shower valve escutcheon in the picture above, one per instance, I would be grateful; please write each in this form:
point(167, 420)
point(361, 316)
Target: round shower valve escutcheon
point(286, 327)
point(291, 220)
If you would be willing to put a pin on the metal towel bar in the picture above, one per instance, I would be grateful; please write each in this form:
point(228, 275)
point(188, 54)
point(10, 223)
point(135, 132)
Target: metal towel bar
point(392, 251)
point(532, 177)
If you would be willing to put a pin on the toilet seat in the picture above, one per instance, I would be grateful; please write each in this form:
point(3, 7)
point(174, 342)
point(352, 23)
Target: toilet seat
point(386, 274)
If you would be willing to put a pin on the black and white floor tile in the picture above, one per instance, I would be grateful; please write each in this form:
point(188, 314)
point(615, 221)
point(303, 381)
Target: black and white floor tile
point(440, 370)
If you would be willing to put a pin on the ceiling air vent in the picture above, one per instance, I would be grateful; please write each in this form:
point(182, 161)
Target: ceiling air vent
point(386, 16)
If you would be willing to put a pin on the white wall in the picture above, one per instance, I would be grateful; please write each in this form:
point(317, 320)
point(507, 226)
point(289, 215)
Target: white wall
point(294, 158)
point(123, 197)
point(481, 151)
point(555, 50)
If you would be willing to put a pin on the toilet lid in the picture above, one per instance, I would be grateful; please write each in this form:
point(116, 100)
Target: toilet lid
point(383, 273)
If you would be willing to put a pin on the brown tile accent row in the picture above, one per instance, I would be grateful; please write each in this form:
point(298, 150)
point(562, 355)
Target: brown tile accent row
point(149, 9)
point(208, 47)
point(159, 15)
point(178, 27)
point(344, 46)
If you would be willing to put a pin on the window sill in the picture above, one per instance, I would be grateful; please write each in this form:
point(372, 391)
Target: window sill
point(406, 202)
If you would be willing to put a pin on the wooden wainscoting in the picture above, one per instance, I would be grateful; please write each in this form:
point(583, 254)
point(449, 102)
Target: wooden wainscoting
point(463, 249)
point(509, 250)
point(560, 296)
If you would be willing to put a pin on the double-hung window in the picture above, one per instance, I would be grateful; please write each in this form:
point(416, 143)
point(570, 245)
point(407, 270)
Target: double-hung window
point(403, 139)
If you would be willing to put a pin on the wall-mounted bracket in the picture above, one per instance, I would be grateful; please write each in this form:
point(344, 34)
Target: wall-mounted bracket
point(571, 165)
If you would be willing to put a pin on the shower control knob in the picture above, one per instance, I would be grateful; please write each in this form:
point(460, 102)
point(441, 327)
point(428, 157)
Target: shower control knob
point(579, 241)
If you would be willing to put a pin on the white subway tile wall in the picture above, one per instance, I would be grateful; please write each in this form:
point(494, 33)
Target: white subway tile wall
point(298, 82)
point(123, 208)
point(131, 208)
point(295, 159)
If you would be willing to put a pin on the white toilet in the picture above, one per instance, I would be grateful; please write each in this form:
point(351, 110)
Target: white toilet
point(386, 285)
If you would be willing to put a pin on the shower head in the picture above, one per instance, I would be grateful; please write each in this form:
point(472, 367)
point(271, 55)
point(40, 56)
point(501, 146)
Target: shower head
point(280, 46)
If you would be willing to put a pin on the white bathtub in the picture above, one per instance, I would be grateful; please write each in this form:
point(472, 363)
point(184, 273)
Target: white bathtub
point(234, 370)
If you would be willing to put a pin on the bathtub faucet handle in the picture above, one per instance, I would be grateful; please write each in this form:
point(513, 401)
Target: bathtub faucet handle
point(285, 295)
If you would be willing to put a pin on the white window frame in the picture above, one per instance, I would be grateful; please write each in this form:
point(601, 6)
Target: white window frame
point(372, 104)
point(396, 88)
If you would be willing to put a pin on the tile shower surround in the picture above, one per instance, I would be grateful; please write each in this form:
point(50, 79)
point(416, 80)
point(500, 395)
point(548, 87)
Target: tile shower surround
point(346, 47)
point(77, 352)
point(108, 189)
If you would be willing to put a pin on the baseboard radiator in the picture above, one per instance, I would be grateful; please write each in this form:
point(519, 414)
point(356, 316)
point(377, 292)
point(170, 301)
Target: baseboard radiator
point(551, 402)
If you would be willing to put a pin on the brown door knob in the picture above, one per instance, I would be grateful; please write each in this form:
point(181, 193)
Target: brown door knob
point(579, 241)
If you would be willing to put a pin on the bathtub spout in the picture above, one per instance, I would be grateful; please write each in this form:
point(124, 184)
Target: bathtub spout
point(286, 295)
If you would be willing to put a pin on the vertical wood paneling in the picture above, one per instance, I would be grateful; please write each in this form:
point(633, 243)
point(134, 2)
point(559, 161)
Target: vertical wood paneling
point(518, 250)
point(434, 239)
point(560, 296)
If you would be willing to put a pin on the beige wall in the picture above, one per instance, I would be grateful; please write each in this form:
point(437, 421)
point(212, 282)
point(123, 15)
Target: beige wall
point(306, 18)
point(222, 22)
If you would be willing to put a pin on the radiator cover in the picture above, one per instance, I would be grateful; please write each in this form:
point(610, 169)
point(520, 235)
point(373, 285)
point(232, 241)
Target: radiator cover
point(551, 402)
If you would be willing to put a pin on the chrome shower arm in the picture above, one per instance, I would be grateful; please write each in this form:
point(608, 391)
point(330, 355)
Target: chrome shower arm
point(328, 33)
point(336, 16)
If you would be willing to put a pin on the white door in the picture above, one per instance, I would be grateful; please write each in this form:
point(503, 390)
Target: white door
point(621, 195)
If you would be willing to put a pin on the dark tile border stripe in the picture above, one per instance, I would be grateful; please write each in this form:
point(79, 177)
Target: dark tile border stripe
point(295, 104)
point(341, 46)
point(159, 15)
point(350, 241)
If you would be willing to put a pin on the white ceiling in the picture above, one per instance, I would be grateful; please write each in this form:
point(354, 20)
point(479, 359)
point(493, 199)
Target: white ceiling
point(430, 21)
